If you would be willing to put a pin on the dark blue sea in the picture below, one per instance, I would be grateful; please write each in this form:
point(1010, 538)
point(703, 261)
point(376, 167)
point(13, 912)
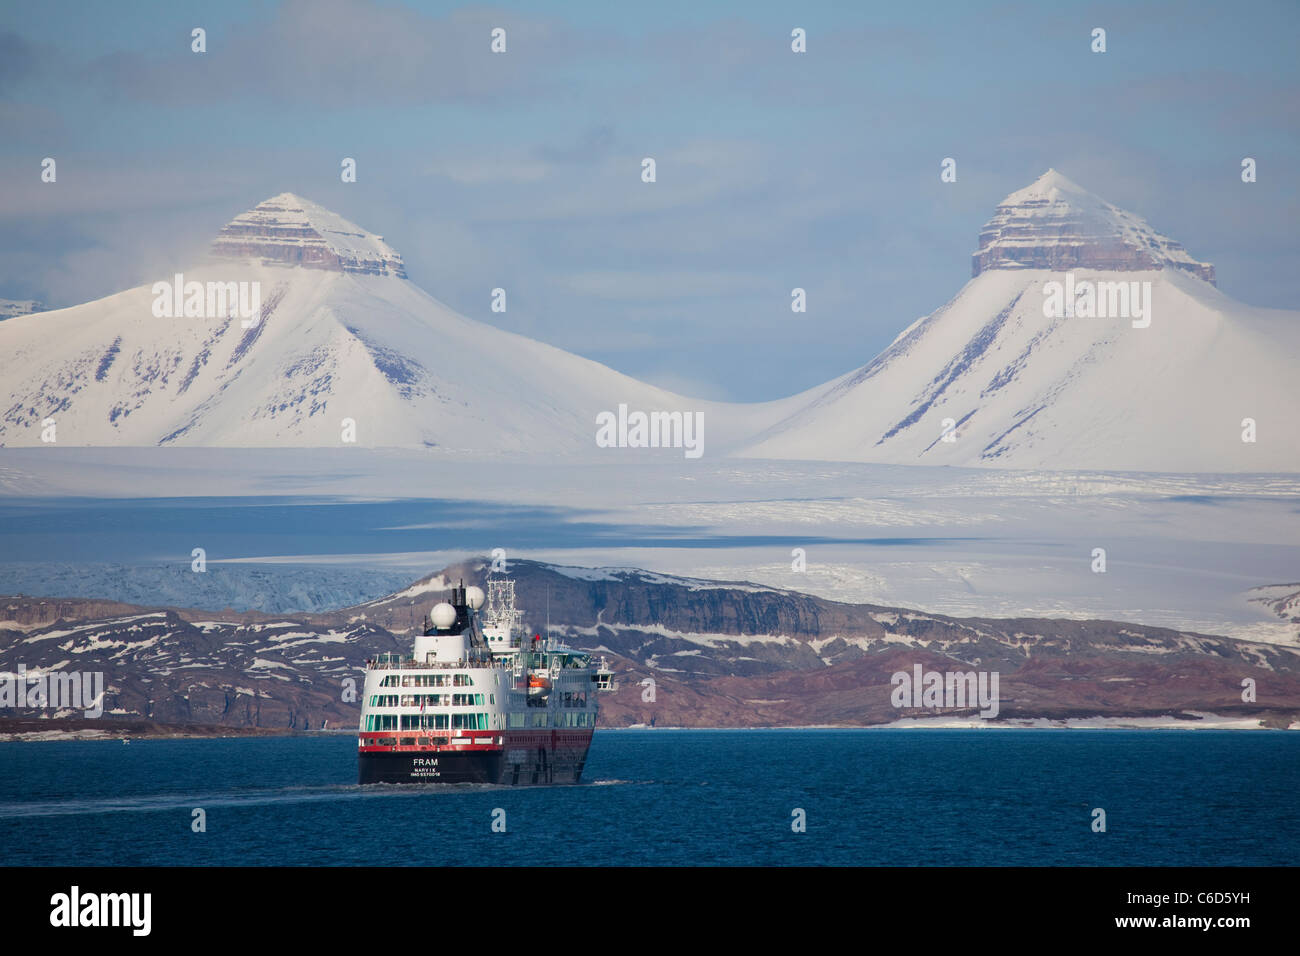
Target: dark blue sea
point(674, 797)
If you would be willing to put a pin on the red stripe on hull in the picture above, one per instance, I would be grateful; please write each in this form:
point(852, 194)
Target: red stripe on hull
point(524, 757)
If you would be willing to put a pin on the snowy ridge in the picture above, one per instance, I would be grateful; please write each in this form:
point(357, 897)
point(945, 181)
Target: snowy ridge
point(993, 378)
point(998, 377)
point(638, 576)
point(336, 337)
point(328, 345)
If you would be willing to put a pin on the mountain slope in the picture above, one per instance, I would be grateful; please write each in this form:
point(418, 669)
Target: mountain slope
point(1014, 387)
point(339, 335)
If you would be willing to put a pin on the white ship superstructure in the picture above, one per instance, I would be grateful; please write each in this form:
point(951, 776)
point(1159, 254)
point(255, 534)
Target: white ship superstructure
point(476, 703)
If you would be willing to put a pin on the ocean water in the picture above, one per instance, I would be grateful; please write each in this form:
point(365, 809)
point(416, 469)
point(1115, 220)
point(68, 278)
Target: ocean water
point(674, 797)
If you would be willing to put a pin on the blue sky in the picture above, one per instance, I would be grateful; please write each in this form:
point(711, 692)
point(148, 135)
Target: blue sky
point(522, 170)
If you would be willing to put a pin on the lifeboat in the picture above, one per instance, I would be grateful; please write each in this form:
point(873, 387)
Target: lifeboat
point(537, 684)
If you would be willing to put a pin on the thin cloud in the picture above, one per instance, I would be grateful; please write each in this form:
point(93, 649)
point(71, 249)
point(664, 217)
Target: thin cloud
point(347, 54)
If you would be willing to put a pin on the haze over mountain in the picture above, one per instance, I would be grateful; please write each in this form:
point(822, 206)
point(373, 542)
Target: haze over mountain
point(987, 380)
point(12, 307)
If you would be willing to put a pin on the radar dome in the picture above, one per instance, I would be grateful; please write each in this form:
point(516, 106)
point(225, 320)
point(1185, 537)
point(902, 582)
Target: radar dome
point(475, 597)
point(443, 615)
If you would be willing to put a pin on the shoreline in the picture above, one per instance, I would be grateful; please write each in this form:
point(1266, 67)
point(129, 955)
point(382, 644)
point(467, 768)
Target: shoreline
point(23, 731)
point(39, 730)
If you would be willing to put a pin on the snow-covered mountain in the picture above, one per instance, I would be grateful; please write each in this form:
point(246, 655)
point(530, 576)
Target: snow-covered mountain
point(992, 379)
point(1134, 362)
point(339, 333)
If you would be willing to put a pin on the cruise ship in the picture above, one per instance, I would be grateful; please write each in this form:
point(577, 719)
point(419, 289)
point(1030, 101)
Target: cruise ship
point(476, 702)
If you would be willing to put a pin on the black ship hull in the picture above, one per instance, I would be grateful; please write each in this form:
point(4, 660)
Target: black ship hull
point(475, 766)
point(521, 762)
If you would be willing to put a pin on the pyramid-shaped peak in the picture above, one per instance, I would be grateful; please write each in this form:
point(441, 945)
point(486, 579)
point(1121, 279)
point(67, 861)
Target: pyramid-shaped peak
point(1051, 185)
point(1054, 223)
point(295, 231)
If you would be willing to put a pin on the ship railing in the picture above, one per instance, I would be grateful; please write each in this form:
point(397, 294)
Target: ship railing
point(410, 664)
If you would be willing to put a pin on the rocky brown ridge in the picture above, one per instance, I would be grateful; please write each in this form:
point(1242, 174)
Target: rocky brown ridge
point(720, 653)
point(1054, 224)
point(295, 231)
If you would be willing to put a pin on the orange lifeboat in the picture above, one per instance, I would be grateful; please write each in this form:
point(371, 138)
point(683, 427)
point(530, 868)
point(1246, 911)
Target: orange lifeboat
point(538, 684)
